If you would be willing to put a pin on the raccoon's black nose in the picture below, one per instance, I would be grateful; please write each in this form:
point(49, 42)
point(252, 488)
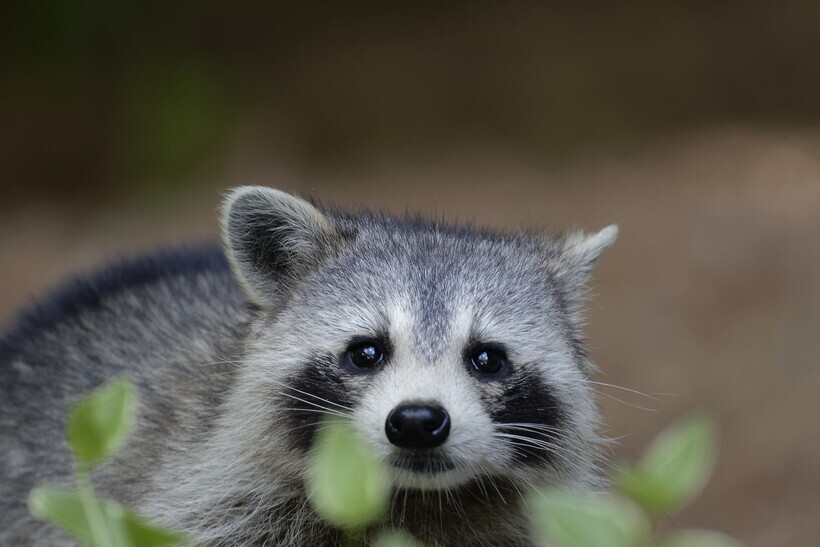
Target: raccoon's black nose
point(417, 426)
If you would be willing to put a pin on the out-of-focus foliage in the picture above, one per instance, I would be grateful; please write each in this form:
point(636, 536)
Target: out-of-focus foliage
point(395, 538)
point(117, 527)
point(673, 471)
point(573, 519)
point(349, 486)
point(176, 115)
point(98, 426)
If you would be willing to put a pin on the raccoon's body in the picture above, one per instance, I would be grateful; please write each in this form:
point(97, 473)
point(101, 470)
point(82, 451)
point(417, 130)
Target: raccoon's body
point(456, 354)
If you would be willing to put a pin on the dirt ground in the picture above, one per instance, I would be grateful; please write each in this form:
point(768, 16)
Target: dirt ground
point(710, 298)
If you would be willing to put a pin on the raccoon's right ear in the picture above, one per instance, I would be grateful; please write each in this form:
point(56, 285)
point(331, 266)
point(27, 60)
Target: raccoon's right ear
point(271, 238)
point(577, 255)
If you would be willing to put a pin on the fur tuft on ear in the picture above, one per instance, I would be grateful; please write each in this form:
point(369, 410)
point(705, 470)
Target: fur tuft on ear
point(271, 238)
point(587, 249)
point(579, 252)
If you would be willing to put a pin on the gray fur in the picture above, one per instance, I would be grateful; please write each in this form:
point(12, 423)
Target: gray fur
point(214, 353)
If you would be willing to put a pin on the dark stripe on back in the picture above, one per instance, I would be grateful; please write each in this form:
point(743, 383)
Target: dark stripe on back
point(88, 291)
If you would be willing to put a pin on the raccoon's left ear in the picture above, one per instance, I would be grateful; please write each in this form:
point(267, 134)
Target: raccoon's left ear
point(579, 252)
point(272, 239)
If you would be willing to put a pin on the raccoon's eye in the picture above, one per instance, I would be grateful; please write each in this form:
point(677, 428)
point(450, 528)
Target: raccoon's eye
point(366, 354)
point(488, 359)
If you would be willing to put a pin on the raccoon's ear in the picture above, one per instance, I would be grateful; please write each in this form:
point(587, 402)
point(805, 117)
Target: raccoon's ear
point(578, 253)
point(271, 238)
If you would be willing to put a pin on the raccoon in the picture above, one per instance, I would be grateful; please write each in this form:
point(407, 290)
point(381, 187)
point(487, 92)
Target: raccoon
point(455, 353)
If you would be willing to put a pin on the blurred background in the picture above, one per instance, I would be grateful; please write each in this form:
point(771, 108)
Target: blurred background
point(693, 125)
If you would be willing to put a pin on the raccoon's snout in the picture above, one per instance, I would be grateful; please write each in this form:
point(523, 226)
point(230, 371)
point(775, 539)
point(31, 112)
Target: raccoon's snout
point(417, 426)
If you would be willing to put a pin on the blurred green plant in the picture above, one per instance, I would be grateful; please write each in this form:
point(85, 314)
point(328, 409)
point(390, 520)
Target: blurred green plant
point(672, 472)
point(350, 487)
point(674, 469)
point(176, 116)
point(98, 426)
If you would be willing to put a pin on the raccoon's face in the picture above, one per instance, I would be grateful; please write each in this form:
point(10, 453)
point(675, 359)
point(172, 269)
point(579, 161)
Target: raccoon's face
point(455, 354)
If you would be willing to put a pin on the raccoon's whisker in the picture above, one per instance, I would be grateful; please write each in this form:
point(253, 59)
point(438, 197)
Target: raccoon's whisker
point(453, 500)
point(322, 399)
point(536, 443)
point(569, 457)
point(630, 390)
point(528, 424)
point(535, 428)
point(520, 494)
point(440, 505)
point(393, 501)
point(227, 373)
point(482, 475)
point(491, 480)
point(316, 410)
point(527, 482)
point(311, 403)
point(459, 506)
point(318, 428)
point(627, 403)
point(448, 500)
point(309, 494)
point(224, 362)
point(532, 444)
point(480, 484)
point(497, 490)
point(532, 434)
point(317, 405)
point(404, 507)
point(543, 433)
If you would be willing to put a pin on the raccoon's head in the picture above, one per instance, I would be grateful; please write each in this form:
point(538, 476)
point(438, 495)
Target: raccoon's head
point(455, 353)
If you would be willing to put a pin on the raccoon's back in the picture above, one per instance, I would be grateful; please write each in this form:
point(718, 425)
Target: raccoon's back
point(172, 321)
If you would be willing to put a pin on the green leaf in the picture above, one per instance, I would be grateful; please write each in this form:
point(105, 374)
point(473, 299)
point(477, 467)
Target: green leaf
point(62, 507)
point(396, 538)
point(699, 538)
point(575, 519)
point(349, 486)
point(142, 534)
point(99, 424)
point(675, 468)
point(120, 528)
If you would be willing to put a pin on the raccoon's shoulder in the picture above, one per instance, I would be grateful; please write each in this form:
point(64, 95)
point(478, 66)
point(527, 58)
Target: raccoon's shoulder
point(89, 291)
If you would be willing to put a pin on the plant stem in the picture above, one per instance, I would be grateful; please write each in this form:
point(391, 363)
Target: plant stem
point(352, 538)
point(99, 531)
